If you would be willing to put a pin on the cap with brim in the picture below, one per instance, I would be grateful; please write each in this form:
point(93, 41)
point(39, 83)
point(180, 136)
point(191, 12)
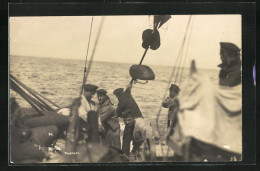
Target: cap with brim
point(101, 91)
point(90, 87)
point(174, 87)
point(118, 91)
point(229, 47)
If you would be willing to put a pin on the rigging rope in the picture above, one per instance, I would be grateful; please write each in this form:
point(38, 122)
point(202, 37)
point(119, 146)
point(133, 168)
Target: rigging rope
point(182, 49)
point(85, 69)
point(180, 80)
point(33, 98)
point(179, 63)
point(94, 50)
point(34, 93)
point(28, 98)
point(73, 126)
point(169, 82)
point(185, 56)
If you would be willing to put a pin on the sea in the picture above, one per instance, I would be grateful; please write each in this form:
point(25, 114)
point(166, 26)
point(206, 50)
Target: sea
point(60, 80)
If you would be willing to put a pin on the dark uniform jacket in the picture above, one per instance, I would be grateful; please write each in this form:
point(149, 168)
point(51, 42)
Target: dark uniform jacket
point(230, 75)
point(127, 106)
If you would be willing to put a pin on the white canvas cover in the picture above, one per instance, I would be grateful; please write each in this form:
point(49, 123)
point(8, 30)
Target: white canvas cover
point(210, 113)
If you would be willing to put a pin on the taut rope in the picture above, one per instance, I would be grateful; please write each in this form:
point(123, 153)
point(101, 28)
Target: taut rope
point(85, 68)
point(178, 61)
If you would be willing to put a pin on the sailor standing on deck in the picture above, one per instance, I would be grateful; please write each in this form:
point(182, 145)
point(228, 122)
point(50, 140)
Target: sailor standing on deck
point(128, 110)
point(109, 120)
point(172, 103)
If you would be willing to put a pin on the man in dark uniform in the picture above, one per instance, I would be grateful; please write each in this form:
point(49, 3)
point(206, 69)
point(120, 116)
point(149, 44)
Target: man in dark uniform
point(230, 73)
point(129, 111)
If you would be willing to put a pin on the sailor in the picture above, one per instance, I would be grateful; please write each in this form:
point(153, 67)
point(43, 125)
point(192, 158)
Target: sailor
point(223, 107)
point(87, 104)
point(109, 120)
point(172, 103)
point(93, 151)
point(128, 110)
point(230, 73)
point(229, 77)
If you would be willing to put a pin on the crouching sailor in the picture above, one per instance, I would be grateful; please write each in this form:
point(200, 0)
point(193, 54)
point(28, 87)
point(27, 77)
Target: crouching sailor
point(109, 120)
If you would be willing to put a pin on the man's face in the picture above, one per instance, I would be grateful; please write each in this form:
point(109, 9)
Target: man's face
point(222, 56)
point(173, 93)
point(89, 94)
point(225, 57)
point(101, 98)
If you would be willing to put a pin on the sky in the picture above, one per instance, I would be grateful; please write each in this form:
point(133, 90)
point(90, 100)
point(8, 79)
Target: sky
point(120, 39)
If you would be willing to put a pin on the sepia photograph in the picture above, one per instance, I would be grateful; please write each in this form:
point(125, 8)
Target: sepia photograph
point(125, 89)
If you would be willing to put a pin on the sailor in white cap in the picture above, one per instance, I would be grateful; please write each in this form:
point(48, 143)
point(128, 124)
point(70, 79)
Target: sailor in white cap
point(86, 103)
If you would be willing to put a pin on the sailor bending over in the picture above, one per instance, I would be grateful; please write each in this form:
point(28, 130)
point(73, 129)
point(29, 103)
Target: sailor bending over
point(129, 111)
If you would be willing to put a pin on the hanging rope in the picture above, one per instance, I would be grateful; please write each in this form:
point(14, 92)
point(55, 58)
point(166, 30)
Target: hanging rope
point(182, 66)
point(169, 82)
point(193, 21)
point(94, 50)
point(182, 49)
point(185, 56)
point(179, 64)
point(85, 69)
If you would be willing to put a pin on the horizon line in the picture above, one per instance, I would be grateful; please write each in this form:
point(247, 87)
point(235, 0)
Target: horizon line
point(100, 61)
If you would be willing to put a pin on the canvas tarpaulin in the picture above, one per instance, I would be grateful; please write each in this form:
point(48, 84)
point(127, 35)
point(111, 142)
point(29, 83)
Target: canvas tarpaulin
point(209, 113)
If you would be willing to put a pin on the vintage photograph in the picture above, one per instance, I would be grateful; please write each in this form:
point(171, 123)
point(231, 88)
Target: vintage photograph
point(125, 89)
